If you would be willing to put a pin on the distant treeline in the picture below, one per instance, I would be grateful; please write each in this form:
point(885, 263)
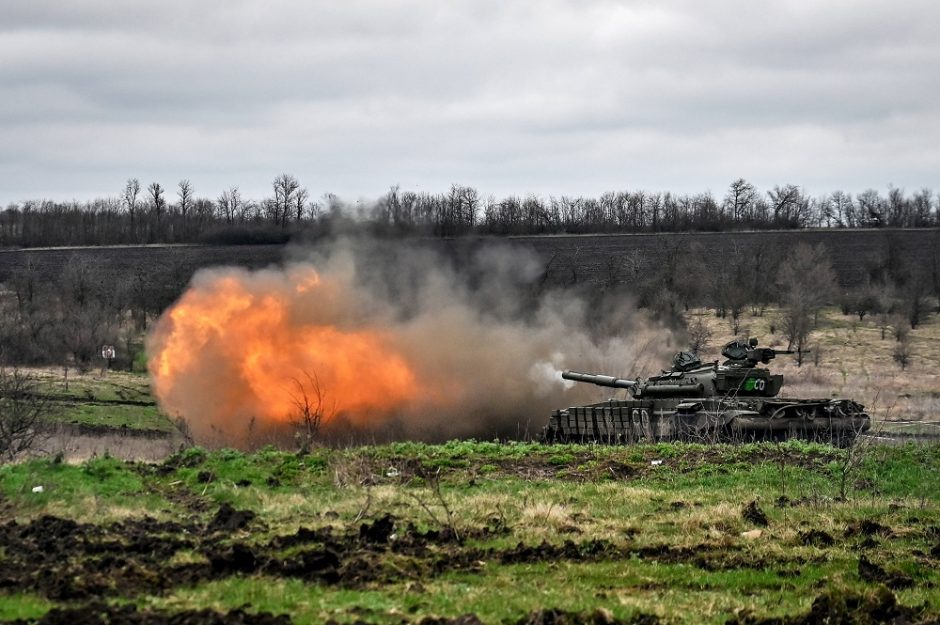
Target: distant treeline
point(153, 215)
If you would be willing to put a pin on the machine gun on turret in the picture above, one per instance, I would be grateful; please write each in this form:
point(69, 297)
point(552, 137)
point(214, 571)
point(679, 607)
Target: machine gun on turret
point(749, 354)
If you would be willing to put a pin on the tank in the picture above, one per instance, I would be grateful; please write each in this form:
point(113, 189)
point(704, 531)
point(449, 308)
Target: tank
point(737, 400)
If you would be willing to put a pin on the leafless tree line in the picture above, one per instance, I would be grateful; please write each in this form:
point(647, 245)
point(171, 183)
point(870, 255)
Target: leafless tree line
point(157, 215)
point(889, 283)
point(65, 320)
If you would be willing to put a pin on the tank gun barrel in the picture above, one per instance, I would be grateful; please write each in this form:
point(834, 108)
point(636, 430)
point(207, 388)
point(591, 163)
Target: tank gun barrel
point(599, 380)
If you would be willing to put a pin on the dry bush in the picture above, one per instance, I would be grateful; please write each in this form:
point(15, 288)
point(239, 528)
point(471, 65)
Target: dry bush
point(22, 427)
point(715, 521)
point(699, 333)
point(901, 329)
point(902, 353)
point(544, 513)
point(310, 411)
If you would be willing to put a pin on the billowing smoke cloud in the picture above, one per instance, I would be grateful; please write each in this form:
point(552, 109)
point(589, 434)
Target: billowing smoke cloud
point(389, 340)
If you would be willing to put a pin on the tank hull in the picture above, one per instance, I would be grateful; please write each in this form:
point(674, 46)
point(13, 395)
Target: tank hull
point(709, 419)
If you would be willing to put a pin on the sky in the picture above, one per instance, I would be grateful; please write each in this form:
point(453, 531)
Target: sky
point(548, 97)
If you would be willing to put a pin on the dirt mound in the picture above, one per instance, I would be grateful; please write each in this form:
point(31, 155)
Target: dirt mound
point(593, 550)
point(466, 619)
point(228, 519)
point(867, 527)
point(379, 531)
point(848, 608)
point(238, 558)
point(871, 572)
point(597, 617)
point(752, 513)
point(817, 538)
point(65, 560)
point(101, 614)
point(303, 536)
point(313, 565)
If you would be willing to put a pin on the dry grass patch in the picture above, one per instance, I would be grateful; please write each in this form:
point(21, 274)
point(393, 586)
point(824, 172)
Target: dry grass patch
point(715, 521)
point(100, 510)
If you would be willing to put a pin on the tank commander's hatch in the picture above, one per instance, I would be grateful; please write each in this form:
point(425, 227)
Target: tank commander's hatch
point(685, 361)
point(738, 350)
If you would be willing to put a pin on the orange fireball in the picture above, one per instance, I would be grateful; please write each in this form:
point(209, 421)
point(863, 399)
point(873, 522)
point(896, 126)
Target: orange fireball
point(244, 347)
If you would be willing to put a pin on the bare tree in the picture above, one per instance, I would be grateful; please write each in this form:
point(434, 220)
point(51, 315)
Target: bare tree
point(790, 206)
point(81, 333)
point(184, 192)
point(920, 208)
point(871, 208)
point(796, 327)
point(915, 297)
point(79, 283)
point(230, 204)
point(157, 207)
point(26, 282)
point(300, 203)
point(469, 200)
point(86, 314)
point(21, 414)
point(131, 191)
point(808, 281)
point(845, 210)
point(902, 352)
point(699, 334)
point(740, 199)
point(129, 197)
point(310, 410)
point(285, 188)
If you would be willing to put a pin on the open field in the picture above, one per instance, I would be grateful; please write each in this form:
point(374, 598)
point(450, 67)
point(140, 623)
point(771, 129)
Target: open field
point(508, 533)
point(115, 411)
point(581, 258)
point(469, 532)
point(106, 399)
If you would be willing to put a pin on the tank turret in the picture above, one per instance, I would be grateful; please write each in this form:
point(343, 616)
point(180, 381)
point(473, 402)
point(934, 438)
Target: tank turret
point(735, 400)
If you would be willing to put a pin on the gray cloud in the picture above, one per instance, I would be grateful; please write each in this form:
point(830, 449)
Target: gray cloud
point(550, 97)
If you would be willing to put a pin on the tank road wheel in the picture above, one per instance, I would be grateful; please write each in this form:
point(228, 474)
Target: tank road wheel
point(550, 436)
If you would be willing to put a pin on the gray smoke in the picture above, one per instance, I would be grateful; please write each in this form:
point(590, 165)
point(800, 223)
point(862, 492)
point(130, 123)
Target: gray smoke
point(482, 329)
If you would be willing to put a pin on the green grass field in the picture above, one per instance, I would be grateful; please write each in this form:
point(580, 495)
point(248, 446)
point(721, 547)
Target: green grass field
point(398, 533)
point(684, 533)
point(100, 399)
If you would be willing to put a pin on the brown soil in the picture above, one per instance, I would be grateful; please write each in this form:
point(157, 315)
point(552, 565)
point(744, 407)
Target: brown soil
point(753, 514)
point(867, 527)
point(101, 614)
point(846, 608)
point(817, 538)
point(68, 561)
point(871, 572)
point(63, 560)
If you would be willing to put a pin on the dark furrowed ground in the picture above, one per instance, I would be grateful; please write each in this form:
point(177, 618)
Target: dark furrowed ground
point(476, 532)
point(591, 259)
point(582, 259)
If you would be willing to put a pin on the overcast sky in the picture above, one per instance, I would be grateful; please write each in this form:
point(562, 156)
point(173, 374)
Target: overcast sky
point(544, 96)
